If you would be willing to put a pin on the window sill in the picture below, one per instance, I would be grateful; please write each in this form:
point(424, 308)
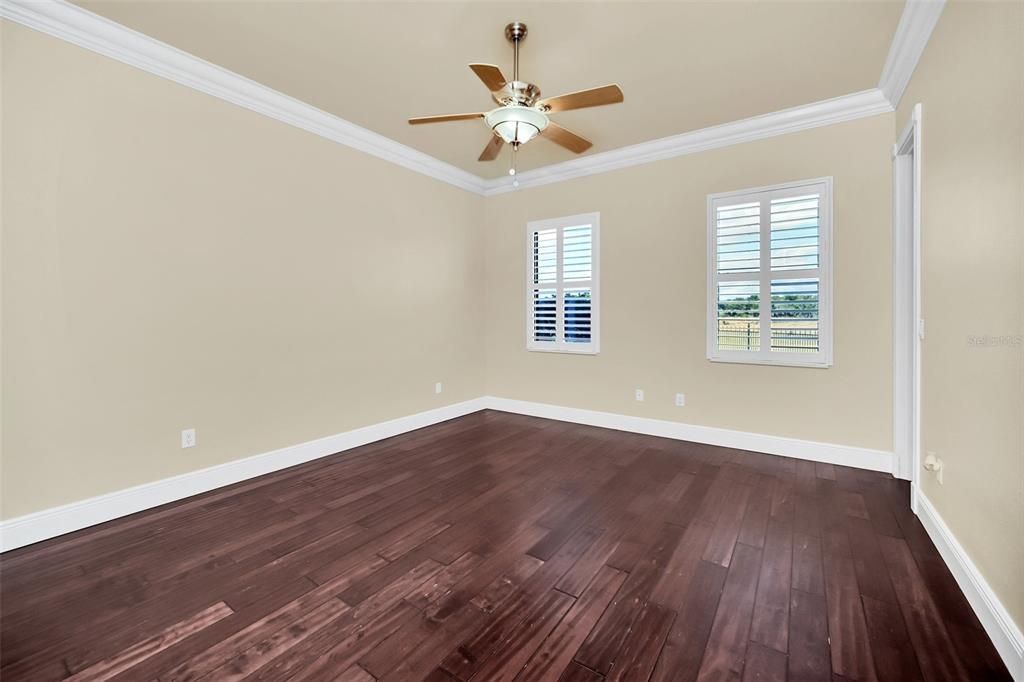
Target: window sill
point(811, 364)
point(565, 350)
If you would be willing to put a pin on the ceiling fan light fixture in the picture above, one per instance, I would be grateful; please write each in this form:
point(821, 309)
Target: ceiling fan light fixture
point(516, 125)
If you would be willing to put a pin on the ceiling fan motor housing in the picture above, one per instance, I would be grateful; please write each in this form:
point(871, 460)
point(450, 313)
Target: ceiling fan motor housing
point(517, 92)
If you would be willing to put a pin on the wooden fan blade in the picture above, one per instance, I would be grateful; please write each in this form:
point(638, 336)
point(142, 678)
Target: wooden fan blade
point(565, 138)
point(490, 152)
point(594, 97)
point(490, 74)
point(444, 117)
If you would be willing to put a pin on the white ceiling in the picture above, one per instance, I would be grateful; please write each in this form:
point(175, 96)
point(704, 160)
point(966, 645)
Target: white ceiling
point(682, 65)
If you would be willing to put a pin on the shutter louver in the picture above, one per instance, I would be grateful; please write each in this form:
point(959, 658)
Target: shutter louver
point(738, 233)
point(739, 311)
point(794, 235)
point(562, 291)
point(545, 310)
point(577, 315)
point(770, 244)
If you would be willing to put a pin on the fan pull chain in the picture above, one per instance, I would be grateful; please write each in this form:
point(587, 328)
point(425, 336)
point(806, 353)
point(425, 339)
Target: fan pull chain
point(512, 166)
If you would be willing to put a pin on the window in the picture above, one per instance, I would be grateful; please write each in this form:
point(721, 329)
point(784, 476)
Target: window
point(562, 284)
point(769, 275)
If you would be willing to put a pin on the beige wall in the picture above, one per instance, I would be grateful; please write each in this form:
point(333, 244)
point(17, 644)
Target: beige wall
point(171, 260)
point(970, 83)
point(653, 288)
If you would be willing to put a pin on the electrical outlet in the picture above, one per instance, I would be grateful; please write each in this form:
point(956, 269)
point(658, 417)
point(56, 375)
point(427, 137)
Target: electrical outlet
point(935, 465)
point(640, 395)
point(188, 438)
point(438, 387)
point(680, 400)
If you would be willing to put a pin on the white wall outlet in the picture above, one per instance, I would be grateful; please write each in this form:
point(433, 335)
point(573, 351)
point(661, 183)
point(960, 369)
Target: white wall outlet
point(680, 400)
point(935, 465)
point(640, 395)
point(188, 438)
point(438, 387)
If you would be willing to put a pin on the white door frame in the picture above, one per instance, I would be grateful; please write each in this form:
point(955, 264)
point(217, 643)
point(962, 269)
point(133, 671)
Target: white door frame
point(908, 325)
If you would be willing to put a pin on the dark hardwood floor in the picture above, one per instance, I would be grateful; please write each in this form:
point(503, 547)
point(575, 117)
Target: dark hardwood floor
point(502, 547)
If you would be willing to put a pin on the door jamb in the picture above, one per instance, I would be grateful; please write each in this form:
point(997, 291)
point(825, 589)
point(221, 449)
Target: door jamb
point(907, 254)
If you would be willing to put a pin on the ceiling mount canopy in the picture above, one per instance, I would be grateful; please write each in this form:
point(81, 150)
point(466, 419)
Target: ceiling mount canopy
point(522, 115)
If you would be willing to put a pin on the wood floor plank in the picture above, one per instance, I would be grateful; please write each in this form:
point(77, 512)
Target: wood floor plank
point(504, 547)
point(759, 510)
point(355, 674)
point(683, 651)
point(936, 653)
point(443, 581)
point(535, 593)
point(158, 664)
point(599, 650)
point(808, 572)
point(428, 654)
point(339, 648)
point(521, 641)
point(764, 664)
point(264, 651)
point(133, 655)
point(727, 644)
point(575, 672)
point(770, 622)
point(674, 583)
point(894, 655)
point(872, 577)
point(808, 638)
point(850, 648)
point(980, 658)
point(558, 648)
point(727, 528)
point(335, 646)
point(643, 644)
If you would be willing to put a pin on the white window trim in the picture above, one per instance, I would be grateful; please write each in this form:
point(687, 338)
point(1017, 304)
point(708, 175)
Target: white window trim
point(823, 358)
point(561, 346)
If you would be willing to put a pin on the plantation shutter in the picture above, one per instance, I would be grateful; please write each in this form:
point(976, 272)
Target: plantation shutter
point(769, 275)
point(562, 284)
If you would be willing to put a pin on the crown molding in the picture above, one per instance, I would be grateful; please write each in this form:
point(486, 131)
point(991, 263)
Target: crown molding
point(827, 112)
point(912, 33)
point(81, 27)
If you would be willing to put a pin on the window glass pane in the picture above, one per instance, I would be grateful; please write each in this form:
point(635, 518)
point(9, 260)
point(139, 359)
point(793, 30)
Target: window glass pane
point(545, 256)
point(545, 305)
point(738, 311)
point(795, 323)
point(577, 306)
point(795, 232)
point(738, 236)
point(577, 254)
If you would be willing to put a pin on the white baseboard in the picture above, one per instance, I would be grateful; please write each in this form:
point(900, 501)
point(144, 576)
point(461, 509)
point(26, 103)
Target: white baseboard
point(1001, 629)
point(49, 523)
point(830, 453)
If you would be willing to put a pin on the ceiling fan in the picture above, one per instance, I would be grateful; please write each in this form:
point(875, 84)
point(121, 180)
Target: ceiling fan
point(522, 114)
